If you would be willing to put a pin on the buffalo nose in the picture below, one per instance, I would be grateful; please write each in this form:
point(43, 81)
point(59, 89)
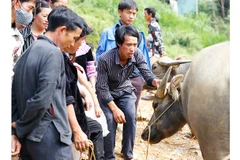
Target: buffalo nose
point(144, 134)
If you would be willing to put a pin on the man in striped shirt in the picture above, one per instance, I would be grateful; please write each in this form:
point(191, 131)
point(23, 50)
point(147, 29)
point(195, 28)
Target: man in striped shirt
point(115, 91)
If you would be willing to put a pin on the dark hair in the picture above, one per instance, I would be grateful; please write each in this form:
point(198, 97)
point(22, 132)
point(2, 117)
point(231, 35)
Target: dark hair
point(40, 5)
point(125, 30)
point(90, 45)
point(53, 1)
point(63, 16)
point(86, 30)
point(151, 11)
point(127, 4)
point(28, 0)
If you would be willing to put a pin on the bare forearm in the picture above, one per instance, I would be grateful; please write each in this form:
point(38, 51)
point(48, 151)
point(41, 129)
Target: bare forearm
point(72, 119)
point(86, 84)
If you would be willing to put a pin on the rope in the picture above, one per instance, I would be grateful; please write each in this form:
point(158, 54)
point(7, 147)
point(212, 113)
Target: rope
point(90, 151)
point(149, 126)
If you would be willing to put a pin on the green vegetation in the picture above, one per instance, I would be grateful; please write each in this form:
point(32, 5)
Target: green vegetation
point(182, 35)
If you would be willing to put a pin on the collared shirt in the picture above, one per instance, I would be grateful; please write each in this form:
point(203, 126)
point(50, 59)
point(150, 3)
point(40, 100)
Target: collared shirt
point(113, 77)
point(107, 41)
point(38, 92)
point(155, 37)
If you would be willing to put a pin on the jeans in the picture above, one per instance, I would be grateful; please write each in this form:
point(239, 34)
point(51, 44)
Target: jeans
point(125, 102)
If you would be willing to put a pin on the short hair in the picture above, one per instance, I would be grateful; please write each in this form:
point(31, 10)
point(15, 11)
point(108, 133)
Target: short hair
point(125, 30)
point(63, 16)
point(151, 11)
point(127, 4)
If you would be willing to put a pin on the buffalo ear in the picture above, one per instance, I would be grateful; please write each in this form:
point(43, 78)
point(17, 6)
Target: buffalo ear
point(174, 85)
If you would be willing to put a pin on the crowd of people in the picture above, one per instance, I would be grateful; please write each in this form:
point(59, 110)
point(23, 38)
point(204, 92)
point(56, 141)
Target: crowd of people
point(63, 95)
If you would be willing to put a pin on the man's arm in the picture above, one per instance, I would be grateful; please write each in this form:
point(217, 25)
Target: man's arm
point(101, 45)
point(80, 138)
point(85, 83)
point(118, 115)
point(102, 86)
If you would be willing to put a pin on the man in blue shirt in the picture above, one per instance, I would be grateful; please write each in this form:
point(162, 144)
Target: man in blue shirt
point(127, 11)
point(115, 91)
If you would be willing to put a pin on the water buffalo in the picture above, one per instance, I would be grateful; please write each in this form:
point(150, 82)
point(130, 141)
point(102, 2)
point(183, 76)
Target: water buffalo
point(201, 101)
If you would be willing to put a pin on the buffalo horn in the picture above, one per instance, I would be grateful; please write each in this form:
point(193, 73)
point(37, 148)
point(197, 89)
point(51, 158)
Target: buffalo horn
point(161, 91)
point(172, 62)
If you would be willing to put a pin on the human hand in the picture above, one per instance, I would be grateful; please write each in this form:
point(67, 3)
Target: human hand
point(156, 82)
point(119, 116)
point(88, 102)
point(163, 54)
point(15, 146)
point(14, 125)
point(81, 141)
point(98, 111)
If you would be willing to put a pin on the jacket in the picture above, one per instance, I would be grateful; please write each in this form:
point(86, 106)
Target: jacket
point(38, 92)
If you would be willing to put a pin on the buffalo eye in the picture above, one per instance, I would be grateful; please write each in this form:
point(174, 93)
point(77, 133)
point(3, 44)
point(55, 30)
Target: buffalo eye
point(154, 105)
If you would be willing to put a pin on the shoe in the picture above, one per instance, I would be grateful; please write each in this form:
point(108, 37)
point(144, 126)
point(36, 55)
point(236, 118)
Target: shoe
point(147, 97)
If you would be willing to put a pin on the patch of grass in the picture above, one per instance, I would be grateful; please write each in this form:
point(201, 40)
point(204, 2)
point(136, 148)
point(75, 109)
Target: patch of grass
point(182, 35)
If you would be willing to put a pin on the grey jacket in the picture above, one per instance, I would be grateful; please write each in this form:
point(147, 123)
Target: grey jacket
point(38, 92)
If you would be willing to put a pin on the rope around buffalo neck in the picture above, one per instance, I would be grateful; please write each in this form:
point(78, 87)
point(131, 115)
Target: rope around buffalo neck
point(149, 127)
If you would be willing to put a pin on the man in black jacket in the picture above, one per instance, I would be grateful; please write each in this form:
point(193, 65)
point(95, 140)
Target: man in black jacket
point(39, 115)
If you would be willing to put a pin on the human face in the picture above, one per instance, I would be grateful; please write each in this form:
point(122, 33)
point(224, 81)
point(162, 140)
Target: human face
point(128, 48)
point(27, 6)
point(147, 16)
point(67, 39)
point(40, 20)
point(77, 44)
point(127, 16)
point(60, 3)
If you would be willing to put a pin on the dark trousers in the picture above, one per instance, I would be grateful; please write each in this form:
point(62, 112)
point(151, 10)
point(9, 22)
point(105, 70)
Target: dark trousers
point(50, 147)
point(137, 82)
point(96, 136)
point(125, 102)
